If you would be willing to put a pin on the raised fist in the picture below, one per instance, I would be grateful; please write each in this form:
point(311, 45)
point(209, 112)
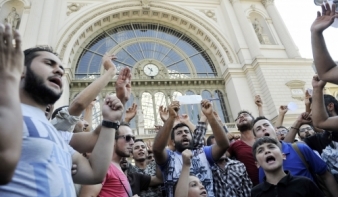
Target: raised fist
point(187, 156)
point(112, 109)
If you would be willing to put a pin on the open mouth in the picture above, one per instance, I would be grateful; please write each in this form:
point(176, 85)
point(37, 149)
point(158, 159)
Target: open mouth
point(204, 193)
point(56, 81)
point(270, 159)
point(185, 141)
point(141, 154)
point(308, 135)
point(267, 134)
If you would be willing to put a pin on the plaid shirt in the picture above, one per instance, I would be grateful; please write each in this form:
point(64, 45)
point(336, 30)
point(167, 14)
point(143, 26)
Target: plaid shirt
point(234, 181)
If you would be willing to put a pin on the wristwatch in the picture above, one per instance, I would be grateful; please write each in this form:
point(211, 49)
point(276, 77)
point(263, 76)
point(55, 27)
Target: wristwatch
point(109, 124)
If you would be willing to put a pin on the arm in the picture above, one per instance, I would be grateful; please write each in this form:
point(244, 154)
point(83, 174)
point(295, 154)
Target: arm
point(259, 103)
point(320, 118)
point(123, 85)
point(326, 67)
point(93, 171)
point(182, 187)
point(88, 115)
point(303, 118)
point(11, 123)
point(130, 113)
point(158, 178)
point(185, 119)
point(90, 190)
point(330, 183)
point(222, 142)
point(86, 96)
point(84, 142)
point(307, 101)
point(282, 111)
point(163, 135)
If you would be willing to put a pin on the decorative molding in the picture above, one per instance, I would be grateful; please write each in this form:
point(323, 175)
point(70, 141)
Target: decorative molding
point(233, 1)
point(267, 2)
point(74, 7)
point(145, 4)
point(210, 14)
point(297, 89)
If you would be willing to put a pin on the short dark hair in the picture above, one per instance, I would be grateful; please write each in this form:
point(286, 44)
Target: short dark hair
point(261, 141)
point(298, 131)
point(32, 53)
point(117, 133)
point(57, 111)
point(209, 140)
point(246, 112)
point(258, 119)
point(138, 140)
point(176, 127)
point(329, 99)
point(282, 127)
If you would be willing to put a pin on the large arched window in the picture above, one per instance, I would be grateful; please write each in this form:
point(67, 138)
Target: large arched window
point(134, 42)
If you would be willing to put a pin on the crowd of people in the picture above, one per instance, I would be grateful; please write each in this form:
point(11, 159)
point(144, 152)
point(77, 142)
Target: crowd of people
point(47, 152)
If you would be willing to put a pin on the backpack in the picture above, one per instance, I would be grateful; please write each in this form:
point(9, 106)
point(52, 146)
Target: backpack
point(318, 180)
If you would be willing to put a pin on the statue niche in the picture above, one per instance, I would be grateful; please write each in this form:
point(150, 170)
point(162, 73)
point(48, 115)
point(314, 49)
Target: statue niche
point(13, 18)
point(263, 38)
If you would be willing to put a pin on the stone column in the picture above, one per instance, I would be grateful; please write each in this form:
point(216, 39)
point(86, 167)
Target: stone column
point(46, 23)
point(154, 108)
point(248, 31)
point(282, 31)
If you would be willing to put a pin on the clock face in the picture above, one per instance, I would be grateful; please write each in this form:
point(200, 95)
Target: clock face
point(151, 70)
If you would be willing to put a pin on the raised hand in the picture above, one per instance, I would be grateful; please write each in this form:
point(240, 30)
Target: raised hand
point(123, 85)
point(157, 127)
point(317, 83)
point(173, 109)
point(258, 101)
point(107, 62)
point(149, 145)
point(307, 98)
point(186, 157)
point(112, 109)
point(184, 118)
point(283, 109)
point(324, 19)
point(218, 118)
point(131, 113)
point(207, 107)
point(304, 118)
point(11, 55)
point(164, 113)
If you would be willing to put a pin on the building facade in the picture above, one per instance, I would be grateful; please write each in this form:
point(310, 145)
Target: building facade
point(224, 50)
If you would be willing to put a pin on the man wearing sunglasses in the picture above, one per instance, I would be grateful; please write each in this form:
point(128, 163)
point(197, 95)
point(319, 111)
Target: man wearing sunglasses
point(116, 183)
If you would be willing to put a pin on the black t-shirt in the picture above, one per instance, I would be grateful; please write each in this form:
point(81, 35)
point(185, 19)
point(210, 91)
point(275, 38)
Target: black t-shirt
point(288, 186)
point(319, 141)
point(138, 182)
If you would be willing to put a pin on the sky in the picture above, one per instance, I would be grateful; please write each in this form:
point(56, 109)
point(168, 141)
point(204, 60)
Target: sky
point(298, 16)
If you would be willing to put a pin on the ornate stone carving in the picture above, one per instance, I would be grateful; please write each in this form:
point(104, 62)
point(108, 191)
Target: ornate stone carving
point(263, 38)
point(13, 18)
point(74, 7)
point(145, 4)
point(267, 2)
point(210, 13)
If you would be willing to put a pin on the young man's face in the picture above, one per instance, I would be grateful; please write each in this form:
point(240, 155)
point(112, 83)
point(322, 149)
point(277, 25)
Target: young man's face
point(124, 142)
point(305, 131)
point(244, 122)
point(196, 188)
point(43, 78)
point(281, 133)
point(269, 157)
point(139, 151)
point(183, 139)
point(264, 128)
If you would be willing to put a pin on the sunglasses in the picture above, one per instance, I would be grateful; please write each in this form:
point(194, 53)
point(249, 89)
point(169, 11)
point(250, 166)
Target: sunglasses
point(126, 137)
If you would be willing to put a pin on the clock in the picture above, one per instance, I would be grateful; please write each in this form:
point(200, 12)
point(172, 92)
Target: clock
point(150, 70)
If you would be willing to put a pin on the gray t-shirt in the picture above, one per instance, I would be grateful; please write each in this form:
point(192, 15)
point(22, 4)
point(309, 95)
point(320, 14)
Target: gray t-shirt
point(45, 164)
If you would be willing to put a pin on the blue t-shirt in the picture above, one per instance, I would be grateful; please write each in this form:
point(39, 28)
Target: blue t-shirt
point(294, 164)
point(200, 166)
point(44, 168)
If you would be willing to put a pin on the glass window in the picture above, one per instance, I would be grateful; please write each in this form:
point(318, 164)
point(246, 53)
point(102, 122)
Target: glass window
point(148, 110)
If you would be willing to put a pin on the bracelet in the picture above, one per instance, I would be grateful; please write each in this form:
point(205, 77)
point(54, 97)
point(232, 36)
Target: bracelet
point(295, 128)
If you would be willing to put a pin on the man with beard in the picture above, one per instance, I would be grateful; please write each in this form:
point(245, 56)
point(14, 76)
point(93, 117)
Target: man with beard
point(293, 163)
point(171, 161)
point(11, 66)
point(242, 149)
point(116, 183)
point(140, 155)
point(45, 164)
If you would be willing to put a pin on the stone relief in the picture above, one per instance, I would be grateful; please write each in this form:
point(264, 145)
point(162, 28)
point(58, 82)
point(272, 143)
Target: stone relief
point(13, 18)
point(210, 13)
point(74, 7)
point(263, 38)
point(145, 4)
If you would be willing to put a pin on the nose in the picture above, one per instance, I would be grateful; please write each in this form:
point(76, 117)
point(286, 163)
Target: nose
point(202, 186)
point(59, 71)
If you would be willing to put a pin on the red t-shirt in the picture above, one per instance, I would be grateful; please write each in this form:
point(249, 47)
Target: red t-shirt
point(112, 187)
point(243, 153)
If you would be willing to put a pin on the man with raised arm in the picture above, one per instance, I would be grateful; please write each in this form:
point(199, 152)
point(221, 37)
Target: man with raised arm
point(45, 164)
point(326, 67)
point(11, 66)
point(171, 161)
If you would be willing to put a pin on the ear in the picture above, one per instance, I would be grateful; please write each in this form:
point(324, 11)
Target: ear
point(284, 156)
point(257, 164)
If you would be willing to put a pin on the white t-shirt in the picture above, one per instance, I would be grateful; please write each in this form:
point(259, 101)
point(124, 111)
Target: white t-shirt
point(45, 164)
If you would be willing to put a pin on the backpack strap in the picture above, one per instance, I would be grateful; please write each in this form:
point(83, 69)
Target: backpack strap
point(300, 154)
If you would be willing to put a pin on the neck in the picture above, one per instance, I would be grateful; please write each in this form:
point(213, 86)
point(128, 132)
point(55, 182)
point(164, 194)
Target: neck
point(26, 99)
point(116, 159)
point(274, 177)
point(247, 135)
point(141, 164)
